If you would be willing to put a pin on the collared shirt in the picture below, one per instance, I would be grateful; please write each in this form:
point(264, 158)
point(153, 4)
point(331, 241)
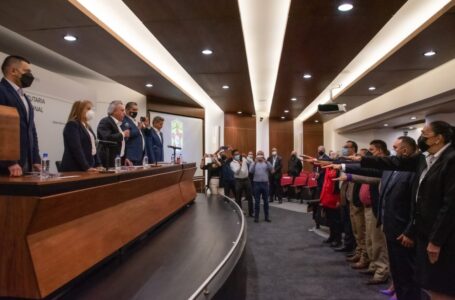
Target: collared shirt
point(274, 157)
point(261, 171)
point(240, 171)
point(92, 140)
point(158, 132)
point(119, 123)
point(140, 132)
point(21, 94)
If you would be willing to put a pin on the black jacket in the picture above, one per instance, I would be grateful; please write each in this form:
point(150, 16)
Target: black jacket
point(278, 166)
point(294, 166)
point(109, 131)
point(77, 155)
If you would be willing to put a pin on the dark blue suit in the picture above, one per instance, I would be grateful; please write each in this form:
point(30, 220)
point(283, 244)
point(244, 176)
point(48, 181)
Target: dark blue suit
point(77, 155)
point(134, 148)
point(154, 145)
point(28, 137)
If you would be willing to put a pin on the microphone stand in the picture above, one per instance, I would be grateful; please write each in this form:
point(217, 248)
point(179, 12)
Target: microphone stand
point(174, 148)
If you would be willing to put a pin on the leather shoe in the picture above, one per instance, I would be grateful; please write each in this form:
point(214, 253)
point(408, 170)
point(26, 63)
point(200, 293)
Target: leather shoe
point(374, 281)
point(327, 241)
point(343, 249)
point(256, 221)
point(359, 265)
point(350, 254)
point(353, 259)
point(366, 272)
point(268, 220)
point(335, 244)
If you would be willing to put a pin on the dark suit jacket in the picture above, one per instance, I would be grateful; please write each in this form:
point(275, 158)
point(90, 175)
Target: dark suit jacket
point(321, 171)
point(294, 166)
point(278, 166)
point(434, 208)
point(154, 146)
point(28, 138)
point(134, 149)
point(77, 155)
point(108, 131)
point(395, 196)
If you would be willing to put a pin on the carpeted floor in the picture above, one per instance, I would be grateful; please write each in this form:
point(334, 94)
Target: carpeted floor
point(284, 260)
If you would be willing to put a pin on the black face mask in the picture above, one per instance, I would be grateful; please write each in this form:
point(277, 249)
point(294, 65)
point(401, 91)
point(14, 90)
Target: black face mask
point(422, 143)
point(27, 79)
point(133, 114)
point(321, 153)
point(223, 157)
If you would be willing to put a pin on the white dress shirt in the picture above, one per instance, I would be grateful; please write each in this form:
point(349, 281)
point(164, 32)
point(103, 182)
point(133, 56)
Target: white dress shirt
point(118, 123)
point(21, 94)
point(92, 139)
point(240, 171)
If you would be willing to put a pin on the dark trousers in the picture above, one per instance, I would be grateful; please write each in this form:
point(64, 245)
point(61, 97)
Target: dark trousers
point(402, 267)
point(244, 185)
point(261, 189)
point(334, 222)
point(229, 187)
point(349, 239)
point(275, 188)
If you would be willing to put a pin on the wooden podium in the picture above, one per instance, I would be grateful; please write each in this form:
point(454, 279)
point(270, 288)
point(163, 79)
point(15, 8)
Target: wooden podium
point(52, 231)
point(9, 133)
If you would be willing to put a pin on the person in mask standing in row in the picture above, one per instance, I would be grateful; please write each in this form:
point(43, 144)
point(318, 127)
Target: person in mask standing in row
point(79, 140)
point(134, 144)
point(17, 75)
point(275, 177)
point(261, 170)
point(239, 167)
point(295, 165)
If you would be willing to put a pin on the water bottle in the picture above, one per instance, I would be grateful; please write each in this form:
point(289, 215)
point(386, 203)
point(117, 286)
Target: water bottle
point(118, 163)
point(172, 159)
point(179, 159)
point(145, 162)
point(44, 166)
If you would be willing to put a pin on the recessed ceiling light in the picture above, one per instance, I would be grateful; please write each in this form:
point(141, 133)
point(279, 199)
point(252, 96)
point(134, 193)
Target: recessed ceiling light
point(149, 85)
point(70, 38)
point(307, 76)
point(293, 99)
point(413, 117)
point(429, 53)
point(239, 112)
point(286, 111)
point(225, 87)
point(316, 121)
point(345, 7)
point(283, 117)
point(385, 125)
point(411, 128)
point(207, 52)
point(371, 88)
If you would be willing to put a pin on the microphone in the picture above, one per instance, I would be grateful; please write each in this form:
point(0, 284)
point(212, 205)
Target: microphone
point(174, 147)
point(127, 125)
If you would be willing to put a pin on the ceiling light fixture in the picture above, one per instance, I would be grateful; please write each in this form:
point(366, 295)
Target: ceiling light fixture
point(70, 38)
point(413, 118)
point(239, 112)
point(316, 121)
point(429, 53)
point(207, 52)
point(386, 125)
point(119, 21)
point(411, 128)
point(286, 111)
point(293, 99)
point(149, 85)
point(307, 76)
point(283, 117)
point(345, 7)
point(225, 87)
point(372, 88)
point(409, 20)
point(263, 25)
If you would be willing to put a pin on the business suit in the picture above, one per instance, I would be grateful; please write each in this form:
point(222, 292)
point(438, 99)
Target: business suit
point(29, 151)
point(154, 145)
point(134, 144)
point(433, 215)
point(77, 155)
point(275, 178)
point(109, 131)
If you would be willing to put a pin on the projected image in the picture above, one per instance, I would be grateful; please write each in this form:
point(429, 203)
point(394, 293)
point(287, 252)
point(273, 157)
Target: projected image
point(177, 133)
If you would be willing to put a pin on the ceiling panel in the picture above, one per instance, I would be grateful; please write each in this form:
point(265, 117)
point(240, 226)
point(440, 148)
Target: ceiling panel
point(322, 40)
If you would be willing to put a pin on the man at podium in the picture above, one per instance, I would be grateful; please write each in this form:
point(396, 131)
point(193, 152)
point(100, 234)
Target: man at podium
point(17, 75)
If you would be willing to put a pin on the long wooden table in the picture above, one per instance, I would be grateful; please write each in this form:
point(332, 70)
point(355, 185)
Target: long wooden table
point(53, 230)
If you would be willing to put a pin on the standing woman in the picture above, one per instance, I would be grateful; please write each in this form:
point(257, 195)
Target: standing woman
point(330, 201)
point(79, 139)
point(433, 227)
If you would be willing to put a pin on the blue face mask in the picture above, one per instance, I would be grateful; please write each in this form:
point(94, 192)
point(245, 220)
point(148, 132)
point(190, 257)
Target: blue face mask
point(344, 151)
point(237, 157)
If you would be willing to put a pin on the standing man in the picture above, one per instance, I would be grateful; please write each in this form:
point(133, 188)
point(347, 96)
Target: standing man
point(17, 75)
point(275, 176)
point(239, 166)
point(261, 170)
point(154, 140)
point(295, 165)
point(109, 129)
point(135, 146)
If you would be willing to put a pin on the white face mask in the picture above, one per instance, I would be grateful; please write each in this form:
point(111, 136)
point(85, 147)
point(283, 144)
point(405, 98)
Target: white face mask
point(208, 160)
point(90, 114)
point(274, 153)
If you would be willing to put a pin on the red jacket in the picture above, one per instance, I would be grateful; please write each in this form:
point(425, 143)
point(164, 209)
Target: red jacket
point(330, 194)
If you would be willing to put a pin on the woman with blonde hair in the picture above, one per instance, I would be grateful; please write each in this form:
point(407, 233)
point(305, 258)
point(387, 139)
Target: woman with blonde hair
point(79, 139)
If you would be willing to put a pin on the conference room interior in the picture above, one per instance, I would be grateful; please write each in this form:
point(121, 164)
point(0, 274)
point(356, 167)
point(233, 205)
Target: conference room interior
point(246, 74)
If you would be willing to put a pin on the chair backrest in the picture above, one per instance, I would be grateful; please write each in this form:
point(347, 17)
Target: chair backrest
point(312, 182)
point(286, 180)
point(300, 180)
point(58, 164)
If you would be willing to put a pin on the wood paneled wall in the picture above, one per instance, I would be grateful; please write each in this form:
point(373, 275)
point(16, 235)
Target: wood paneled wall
point(313, 136)
point(281, 136)
point(240, 132)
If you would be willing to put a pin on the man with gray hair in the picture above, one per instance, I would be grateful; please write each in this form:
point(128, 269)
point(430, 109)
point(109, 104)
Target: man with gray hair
point(154, 140)
point(261, 169)
point(109, 130)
